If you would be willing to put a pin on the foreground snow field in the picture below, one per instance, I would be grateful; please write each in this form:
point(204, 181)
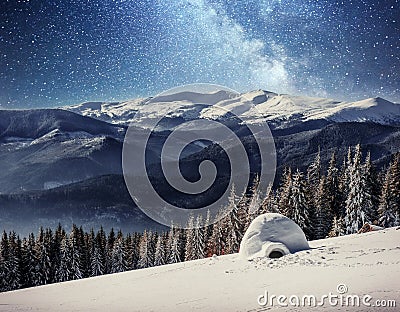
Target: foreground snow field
point(365, 264)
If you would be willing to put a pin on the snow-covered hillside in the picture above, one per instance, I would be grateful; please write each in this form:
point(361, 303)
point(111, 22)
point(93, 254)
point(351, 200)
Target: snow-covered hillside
point(364, 264)
point(267, 105)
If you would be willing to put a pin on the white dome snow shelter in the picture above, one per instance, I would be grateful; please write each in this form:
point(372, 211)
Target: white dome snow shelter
point(272, 235)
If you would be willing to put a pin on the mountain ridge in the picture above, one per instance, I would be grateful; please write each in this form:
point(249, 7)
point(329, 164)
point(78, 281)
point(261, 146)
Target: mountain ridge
point(267, 105)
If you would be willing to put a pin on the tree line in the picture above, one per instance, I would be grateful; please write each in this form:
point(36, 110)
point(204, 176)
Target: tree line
point(331, 202)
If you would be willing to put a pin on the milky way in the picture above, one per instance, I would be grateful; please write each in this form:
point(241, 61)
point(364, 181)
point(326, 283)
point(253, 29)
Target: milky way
point(55, 52)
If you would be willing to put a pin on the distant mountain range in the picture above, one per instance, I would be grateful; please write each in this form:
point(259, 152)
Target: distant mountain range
point(46, 153)
point(280, 109)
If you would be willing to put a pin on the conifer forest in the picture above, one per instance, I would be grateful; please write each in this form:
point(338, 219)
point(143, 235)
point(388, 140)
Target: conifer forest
point(324, 202)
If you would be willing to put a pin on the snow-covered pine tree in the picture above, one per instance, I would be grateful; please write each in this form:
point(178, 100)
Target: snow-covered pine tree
point(254, 204)
point(109, 248)
point(4, 262)
point(190, 240)
point(198, 239)
point(358, 202)
point(389, 214)
point(84, 242)
point(395, 185)
point(208, 228)
point(216, 242)
point(151, 240)
point(101, 243)
point(144, 252)
point(160, 254)
point(285, 192)
point(55, 248)
point(299, 205)
point(14, 259)
point(128, 243)
point(43, 251)
point(345, 178)
point(29, 261)
point(63, 272)
point(314, 171)
point(96, 261)
point(135, 249)
point(118, 261)
point(269, 203)
point(91, 239)
point(334, 194)
point(174, 242)
point(323, 213)
point(75, 253)
point(232, 243)
point(373, 188)
point(338, 227)
point(234, 227)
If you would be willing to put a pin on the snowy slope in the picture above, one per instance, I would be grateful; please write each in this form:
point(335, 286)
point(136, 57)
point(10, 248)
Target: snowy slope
point(267, 105)
point(366, 263)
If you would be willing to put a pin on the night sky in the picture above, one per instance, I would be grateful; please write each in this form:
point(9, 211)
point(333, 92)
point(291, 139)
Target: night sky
point(59, 52)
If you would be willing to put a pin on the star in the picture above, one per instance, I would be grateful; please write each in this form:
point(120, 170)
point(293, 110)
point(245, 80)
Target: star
point(58, 52)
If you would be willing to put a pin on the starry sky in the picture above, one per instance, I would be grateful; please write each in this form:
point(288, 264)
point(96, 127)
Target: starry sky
point(61, 52)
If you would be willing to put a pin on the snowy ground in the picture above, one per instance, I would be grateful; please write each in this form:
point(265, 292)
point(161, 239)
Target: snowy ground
point(368, 264)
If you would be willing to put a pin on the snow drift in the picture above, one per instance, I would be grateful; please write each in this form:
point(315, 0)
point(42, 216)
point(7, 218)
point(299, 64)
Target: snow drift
point(272, 235)
point(366, 263)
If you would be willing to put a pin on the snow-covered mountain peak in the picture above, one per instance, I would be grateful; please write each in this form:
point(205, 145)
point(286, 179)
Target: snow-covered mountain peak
point(195, 97)
point(252, 106)
point(369, 110)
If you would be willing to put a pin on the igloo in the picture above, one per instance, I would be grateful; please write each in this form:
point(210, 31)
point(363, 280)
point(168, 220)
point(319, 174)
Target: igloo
point(272, 235)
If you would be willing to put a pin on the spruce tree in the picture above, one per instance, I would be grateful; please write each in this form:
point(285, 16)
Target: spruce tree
point(190, 240)
point(152, 239)
point(373, 188)
point(285, 192)
point(109, 248)
point(29, 261)
point(198, 239)
point(118, 261)
point(4, 263)
point(358, 202)
point(314, 172)
point(174, 246)
point(345, 178)
point(160, 254)
point(135, 250)
point(334, 195)
point(255, 204)
point(144, 252)
point(128, 243)
point(63, 272)
point(234, 225)
point(14, 274)
point(216, 242)
point(101, 244)
point(55, 249)
point(97, 256)
point(43, 251)
point(75, 253)
point(338, 227)
point(323, 213)
point(299, 209)
point(208, 228)
point(389, 207)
